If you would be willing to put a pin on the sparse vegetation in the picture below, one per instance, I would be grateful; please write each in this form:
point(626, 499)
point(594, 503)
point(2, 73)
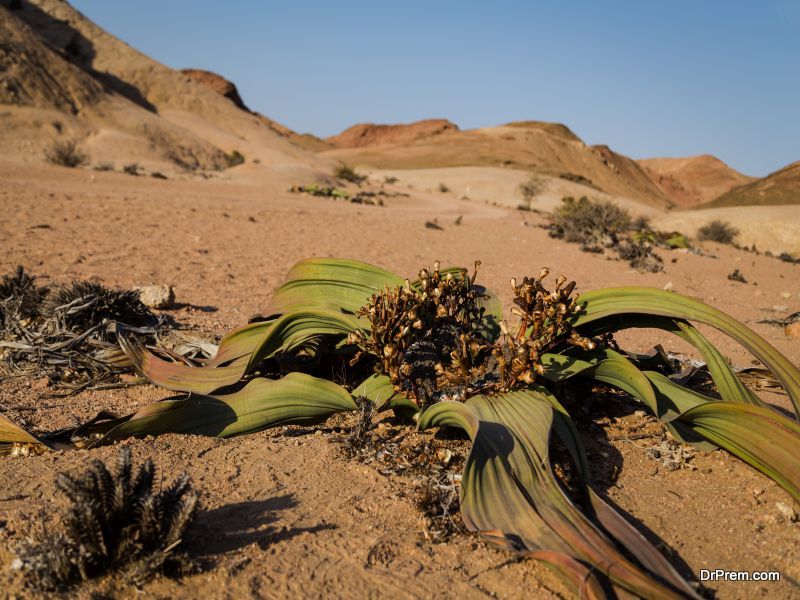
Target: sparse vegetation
point(116, 522)
point(443, 188)
point(529, 190)
point(390, 179)
point(717, 231)
point(66, 153)
point(234, 159)
point(158, 175)
point(594, 224)
point(640, 255)
point(347, 173)
point(104, 166)
point(737, 276)
point(131, 169)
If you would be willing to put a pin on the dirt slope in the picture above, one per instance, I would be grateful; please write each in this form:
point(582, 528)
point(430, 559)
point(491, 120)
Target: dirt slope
point(780, 187)
point(548, 148)
point(366, 135)
point(122, 105)
point(693, 180)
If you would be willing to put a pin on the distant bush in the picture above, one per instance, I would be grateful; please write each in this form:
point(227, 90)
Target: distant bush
point(66, 153)
point(346, 173)
point(390, 179)
point(641, 223)
point(443, 188)
point(158, 175)
point(529, 190)
point(595, 224)
point(104, 166)
point(234, 158)
point(131, 169)
point(717, 231)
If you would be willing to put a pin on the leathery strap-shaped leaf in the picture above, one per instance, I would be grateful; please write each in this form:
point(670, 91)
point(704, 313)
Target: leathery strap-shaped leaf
point(508, 487)
point(760, 436)
point(331, 282)
point(285, 333)
point(379, 390)
point(730, 387)
point(295, 399)
point(618, 371)
point(12, 434)
point(599, 304)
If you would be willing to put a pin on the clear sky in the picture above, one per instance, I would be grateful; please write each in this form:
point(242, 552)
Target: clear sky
point(669, 78)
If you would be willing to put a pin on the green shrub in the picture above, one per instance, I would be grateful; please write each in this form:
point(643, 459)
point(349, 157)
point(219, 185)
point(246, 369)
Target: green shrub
point(346, 173)
point(66, 153)
point(717, 231)
point(595, 224)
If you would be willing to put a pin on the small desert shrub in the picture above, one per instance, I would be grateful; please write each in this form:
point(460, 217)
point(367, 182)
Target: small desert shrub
point(116, 522)
point(158, 175)
point(131, 169)
point(640, 255)
point(595, 224)
point(234, 158)
point(529, 190)
point(104, 166)
point(66, 153)
point(718, 231)
point(346, 173)
point(390, 179)
point(443, 188)
point(641, 223)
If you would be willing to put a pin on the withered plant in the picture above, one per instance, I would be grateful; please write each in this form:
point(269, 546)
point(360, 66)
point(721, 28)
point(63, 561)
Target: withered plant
point(69, 332)
point(115, 522)
point(427, 337)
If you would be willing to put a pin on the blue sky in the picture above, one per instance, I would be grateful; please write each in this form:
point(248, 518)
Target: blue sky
point(649, 79)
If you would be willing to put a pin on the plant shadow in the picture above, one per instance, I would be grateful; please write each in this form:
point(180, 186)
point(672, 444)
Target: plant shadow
point(235, 526)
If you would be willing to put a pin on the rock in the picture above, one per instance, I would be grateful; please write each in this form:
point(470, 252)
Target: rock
point(157, 296)
point(786, 511)
point(217, 84)
point(792, 330)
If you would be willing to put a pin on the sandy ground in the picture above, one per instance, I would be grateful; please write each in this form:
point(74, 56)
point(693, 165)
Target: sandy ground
point(773, 228)
point(286, 514)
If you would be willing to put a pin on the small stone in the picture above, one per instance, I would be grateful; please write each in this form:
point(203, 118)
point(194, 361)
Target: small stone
point(318, 432)
point(16, 564)
point(787, 511)
point(640, 413)
point(786, 295)
point(792, 330)
point(668, 287)
point(157, 296)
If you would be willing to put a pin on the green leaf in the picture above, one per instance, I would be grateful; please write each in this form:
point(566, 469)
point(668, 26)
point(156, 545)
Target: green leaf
point(625, 301)
point(331, 282)
point(262, 403)
point(510, 492)
point(287, 333)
